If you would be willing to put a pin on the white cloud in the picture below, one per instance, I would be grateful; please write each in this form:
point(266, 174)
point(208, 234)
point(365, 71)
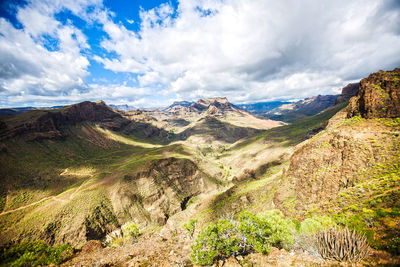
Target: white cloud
point(27, 67)
point(260, 49)
point(245, 50)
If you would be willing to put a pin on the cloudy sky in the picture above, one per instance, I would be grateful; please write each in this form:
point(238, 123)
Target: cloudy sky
point(150, 53)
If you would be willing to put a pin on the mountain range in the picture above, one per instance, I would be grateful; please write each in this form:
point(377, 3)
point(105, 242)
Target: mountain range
point(79, 174)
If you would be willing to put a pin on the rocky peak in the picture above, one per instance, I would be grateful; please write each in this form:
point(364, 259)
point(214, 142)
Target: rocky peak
point(348, 92)
point(378, 96)
point(177, 106)
point(220, 103)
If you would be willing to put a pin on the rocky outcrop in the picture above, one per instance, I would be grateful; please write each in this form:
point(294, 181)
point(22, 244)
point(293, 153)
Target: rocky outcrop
point(348, 92)
point(378, 96)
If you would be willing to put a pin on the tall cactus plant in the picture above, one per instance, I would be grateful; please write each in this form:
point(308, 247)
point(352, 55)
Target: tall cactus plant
point(342, 245)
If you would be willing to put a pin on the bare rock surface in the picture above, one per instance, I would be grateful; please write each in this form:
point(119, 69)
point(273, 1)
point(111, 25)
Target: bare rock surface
point(378, 96)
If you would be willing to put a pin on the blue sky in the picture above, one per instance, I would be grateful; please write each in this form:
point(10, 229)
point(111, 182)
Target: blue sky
point(151, 53)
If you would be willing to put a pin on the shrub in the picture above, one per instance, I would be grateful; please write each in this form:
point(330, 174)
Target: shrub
point(130, 230)
point(34, 253)
point(217, 241)
point(342, 245)
point(248, 233)
point(315, 223)
point(282, 229)
point(190, 227)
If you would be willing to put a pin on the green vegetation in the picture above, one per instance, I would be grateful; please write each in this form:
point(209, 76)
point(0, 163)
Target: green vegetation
point(130, 230)
point(190, 227)
point(247, 233)
point(296, 132)
point(34, 253)
point(353, 121)
point(315, 223)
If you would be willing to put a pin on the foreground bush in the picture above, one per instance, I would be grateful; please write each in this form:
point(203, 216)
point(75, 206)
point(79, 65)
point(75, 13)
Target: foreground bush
point(247, 233)
point(34, 253)
point(130, 230)
point(342, 245)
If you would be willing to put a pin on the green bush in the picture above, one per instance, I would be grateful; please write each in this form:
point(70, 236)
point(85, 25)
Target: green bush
point(190, 227)
point(315, 223)
point(217, 241)
point(282, 229)
point(248, 233)
point(130, 230)
point(34, 253)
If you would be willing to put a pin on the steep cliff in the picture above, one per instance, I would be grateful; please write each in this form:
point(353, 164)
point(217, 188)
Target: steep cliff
point(378, 97)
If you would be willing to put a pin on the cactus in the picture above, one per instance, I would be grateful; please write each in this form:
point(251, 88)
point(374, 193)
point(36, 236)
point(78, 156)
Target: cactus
point(342, 245)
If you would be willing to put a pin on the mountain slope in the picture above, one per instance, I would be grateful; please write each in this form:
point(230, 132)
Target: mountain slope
point(78, 173)
point(294, 111)
point(345, 169)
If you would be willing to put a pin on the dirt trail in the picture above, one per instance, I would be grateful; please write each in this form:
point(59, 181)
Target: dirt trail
point(55, 198)
point(26, 206)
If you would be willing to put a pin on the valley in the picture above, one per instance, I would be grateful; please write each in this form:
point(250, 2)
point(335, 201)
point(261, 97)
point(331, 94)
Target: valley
point(77, 174)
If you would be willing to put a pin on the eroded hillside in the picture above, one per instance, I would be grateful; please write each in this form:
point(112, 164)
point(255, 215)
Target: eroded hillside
point(351, 169)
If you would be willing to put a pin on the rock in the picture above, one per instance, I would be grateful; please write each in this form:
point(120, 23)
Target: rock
point(378, 96)
point(232, 262)
point(348, 92)
point(91, 246)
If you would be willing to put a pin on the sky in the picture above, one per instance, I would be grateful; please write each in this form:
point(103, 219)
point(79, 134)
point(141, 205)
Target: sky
point(150, 53)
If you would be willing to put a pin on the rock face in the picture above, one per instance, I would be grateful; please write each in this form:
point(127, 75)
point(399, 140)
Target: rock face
point(378, 97)
point(332, 161)
point(348, 92)
point(159, 191)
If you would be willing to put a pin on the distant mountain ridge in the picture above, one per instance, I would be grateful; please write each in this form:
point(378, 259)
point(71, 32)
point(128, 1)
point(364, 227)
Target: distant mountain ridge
point(122, 107)
point(260, 108)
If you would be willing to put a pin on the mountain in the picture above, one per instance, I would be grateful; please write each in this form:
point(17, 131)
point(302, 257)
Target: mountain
point(300, 109)
point(291, 112)
point(177, 105)
point(85, 173)
point(49, 124)
point(14, 111)
point(351, 169)
point(261, 108)
point(348, 92)
point(123, 107)
point(219, 108)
